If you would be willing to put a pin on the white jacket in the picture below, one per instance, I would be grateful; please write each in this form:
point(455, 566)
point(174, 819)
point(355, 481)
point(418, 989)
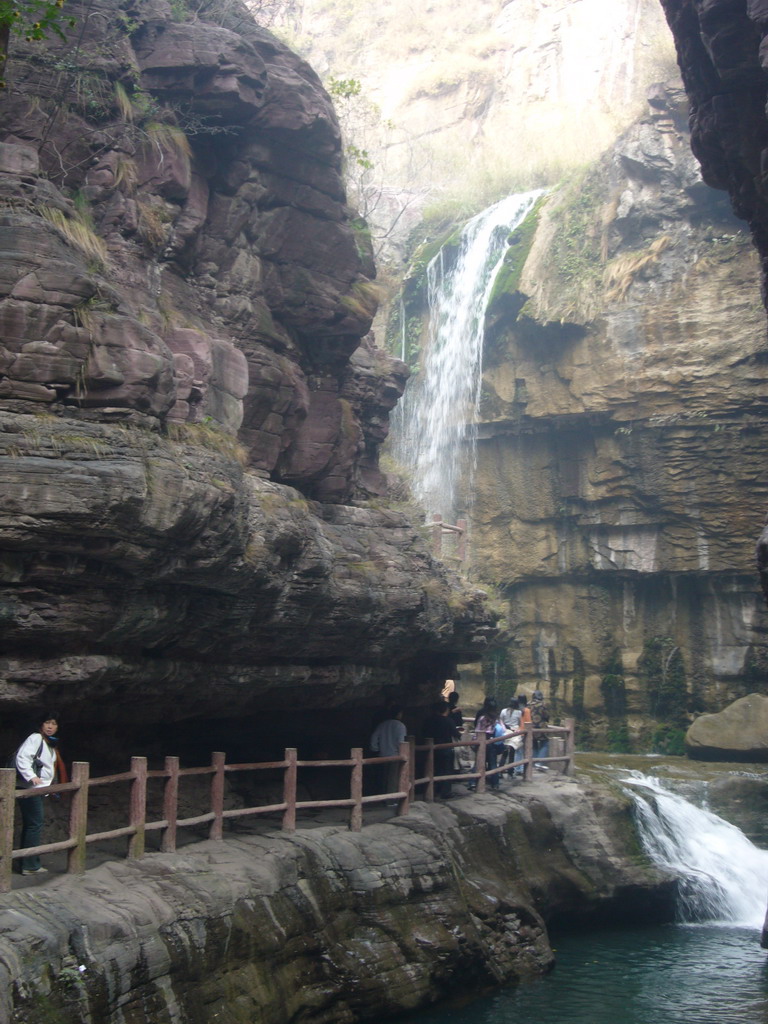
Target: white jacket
point(27, 752)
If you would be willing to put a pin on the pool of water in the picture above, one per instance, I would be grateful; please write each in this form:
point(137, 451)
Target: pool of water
point(671, 974)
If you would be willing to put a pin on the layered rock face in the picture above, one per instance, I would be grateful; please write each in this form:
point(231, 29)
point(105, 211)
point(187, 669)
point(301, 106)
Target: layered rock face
point(722, 55)
point(618, 490)
point(327, 925)
point(187, 409)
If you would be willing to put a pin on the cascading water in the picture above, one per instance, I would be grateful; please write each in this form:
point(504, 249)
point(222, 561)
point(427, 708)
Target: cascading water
point(723, 876)
point(434, 432)
point(704, 970)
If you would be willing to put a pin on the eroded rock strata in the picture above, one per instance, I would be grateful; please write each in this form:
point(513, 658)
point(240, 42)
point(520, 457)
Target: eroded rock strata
point(723, 59)
point(190, 410)
point(619, 489)
point(327, 925)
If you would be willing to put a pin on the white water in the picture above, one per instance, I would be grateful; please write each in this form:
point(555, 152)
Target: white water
point(436, 427)
point(724, 877)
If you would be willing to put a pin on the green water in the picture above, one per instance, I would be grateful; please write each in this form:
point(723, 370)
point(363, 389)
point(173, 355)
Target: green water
point(671, 974)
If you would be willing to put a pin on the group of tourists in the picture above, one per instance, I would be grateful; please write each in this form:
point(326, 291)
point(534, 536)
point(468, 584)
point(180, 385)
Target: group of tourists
point(504, 743)
point(445, 724)
point(39, 764)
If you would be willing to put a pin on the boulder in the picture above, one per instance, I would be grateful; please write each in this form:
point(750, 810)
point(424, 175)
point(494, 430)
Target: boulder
point(739, 733)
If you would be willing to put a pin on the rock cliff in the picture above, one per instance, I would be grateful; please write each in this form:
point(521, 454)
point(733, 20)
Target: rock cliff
point(190, 410)
point(618, 486)
point(327, 925)
point(534, 86)
point(722, 55)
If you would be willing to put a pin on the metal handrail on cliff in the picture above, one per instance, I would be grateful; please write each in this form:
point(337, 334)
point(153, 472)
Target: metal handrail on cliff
point(77, 842)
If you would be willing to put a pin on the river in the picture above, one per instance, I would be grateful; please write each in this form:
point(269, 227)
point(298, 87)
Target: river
point(675, 974)
point(706, 969)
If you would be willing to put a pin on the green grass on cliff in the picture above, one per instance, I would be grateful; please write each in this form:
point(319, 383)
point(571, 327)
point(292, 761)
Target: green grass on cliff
point(520, 241)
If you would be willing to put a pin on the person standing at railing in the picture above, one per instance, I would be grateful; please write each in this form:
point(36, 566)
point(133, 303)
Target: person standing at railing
point(510, 719)
point(385, 742)
point(462, 756)
point(438, 727)
point(485, 721)
point(39, 764)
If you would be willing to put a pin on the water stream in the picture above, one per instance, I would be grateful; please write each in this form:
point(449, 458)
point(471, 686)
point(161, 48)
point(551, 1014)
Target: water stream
point(723, 876)
point(434, 428)
point(707, 969)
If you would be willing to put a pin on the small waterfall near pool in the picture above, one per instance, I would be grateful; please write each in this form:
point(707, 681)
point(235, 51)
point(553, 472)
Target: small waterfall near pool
point(723, 876)
point(437, 415)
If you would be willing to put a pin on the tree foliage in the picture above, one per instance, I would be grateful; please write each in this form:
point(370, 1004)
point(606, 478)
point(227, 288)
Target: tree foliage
point(32, 19)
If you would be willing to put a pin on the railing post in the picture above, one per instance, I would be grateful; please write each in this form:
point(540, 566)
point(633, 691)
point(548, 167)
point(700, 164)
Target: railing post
point(461, 544)
point(528, 753)
point(411, 741)
point(218, 760)
point(7, 817)
point(138, 807)
point(404, 785)
point(437, 534)
point(356, 790)
point(78, 818)
point(289, 789)
point(570, 744)
point(429, 794)
point(481, 761)
point(170, 804)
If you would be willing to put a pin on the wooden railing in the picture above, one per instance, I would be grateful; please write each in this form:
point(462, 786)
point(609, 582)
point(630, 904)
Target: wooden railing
point(458, 532)
point(135, 831)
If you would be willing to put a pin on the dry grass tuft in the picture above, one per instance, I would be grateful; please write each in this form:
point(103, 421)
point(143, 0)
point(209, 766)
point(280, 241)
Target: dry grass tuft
point(211, 436)
point(153, 223)
point(78, 233)
point(123, 103)
point(618, 277)
point(169, 138)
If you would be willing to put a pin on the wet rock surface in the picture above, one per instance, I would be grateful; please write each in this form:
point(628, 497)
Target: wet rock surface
point(325, 924)
point(623, 426)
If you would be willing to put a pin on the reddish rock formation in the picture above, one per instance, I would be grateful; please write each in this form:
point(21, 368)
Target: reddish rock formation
point(185, 401)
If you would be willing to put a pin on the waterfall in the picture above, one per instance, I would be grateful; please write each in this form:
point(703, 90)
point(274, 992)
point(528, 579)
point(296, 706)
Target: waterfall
point(436, 425)
point(723, 876)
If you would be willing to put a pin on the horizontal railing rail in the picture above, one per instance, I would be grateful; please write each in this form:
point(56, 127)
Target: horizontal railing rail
point(288, 807)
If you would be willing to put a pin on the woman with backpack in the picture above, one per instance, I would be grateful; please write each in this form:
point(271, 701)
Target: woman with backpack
point(38, 764)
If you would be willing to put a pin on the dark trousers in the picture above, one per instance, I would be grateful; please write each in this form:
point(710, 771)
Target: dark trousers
point(443, 766)
point(491, 760)
point(32, 818)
